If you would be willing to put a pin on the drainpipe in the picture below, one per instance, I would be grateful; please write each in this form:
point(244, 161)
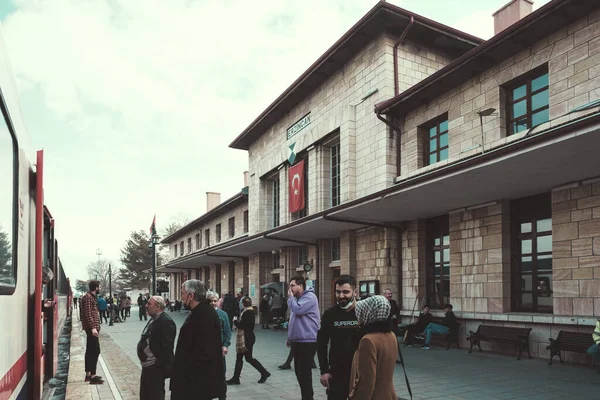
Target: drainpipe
point(399, 232)
point(392, 125)
point(398, 43)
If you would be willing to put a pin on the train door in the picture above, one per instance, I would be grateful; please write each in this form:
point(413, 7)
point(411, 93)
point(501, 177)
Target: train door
point(49, 340)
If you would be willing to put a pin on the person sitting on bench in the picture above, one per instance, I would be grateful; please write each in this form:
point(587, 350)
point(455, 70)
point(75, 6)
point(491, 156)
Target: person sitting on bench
point(418, 327)
point(447, 325)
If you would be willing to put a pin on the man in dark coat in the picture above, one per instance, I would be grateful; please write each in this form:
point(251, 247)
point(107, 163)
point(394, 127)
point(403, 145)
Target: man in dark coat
point(155, 350)
point(230, 306)
point(198, 369)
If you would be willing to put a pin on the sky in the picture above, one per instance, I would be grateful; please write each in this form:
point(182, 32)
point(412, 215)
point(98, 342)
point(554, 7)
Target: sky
point(136, 101)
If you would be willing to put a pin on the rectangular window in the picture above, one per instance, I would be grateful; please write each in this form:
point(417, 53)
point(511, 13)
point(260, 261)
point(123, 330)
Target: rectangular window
point(9, 171)
point(335, 249)
point(275, 199)
point(246, 228)
point(207, 238)
point(531, 234)
point(176, 254)
point(181, 250)
point(198, 241)
point(335, 175)
point(275, 259)
point(302, 255)
point(436, 142)
point(231, 227)
point(218, 233)
point(189, 243)
point(438, 262)
point(528, 101)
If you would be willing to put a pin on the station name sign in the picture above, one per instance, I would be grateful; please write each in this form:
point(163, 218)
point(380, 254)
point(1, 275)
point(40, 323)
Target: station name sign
point(298, 126)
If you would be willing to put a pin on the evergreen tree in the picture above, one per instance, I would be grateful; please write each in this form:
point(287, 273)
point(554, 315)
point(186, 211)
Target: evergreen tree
point(136, 257)
point(6, 266)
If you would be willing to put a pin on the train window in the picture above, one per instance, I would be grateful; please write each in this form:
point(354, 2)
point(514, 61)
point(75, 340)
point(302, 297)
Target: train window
point(8, 190)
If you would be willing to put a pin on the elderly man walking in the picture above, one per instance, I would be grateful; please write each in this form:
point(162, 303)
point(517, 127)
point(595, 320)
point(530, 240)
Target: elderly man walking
point(198, 369)
point(155, 350)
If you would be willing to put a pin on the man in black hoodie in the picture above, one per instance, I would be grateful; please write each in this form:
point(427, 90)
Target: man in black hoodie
point(447, 325)
point(339, 327)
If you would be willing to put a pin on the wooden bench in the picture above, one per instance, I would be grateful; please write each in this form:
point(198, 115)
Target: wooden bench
point(577, 342)
point(519, 337)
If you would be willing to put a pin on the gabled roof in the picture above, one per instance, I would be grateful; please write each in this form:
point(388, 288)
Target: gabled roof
point(382, 17)
point(239, 198)
point(536, 26)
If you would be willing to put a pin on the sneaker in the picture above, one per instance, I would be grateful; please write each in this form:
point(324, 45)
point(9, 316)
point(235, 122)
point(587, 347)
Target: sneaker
point(264, 377)
point(425, 347)
point(285, 366)
point(407, 345)
point(420, 337)
point(97, 380)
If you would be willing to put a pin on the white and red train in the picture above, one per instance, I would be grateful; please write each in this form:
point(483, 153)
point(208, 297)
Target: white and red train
point(35, 295)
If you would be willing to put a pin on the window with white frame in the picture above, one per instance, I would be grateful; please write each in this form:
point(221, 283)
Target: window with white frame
point(335, 183)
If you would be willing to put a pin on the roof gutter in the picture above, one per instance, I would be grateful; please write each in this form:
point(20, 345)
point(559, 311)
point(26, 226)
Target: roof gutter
point(393, 127)
point(398, 43)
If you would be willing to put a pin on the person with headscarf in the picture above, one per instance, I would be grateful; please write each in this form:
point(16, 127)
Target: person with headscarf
point(373, 365)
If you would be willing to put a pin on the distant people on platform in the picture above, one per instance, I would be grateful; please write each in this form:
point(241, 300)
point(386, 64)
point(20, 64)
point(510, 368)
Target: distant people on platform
point(198, 368)
point(302, 332)
point(417, 328)
point(339, 329)
point(277, 310)
point(448, 325)
point(374, 362)
point(141, 302)
point(244, 343)
point(230, 306)
point(90, 323)
point(126, 307)
point(102, 306)
point(75, 299)
point(213, 297)
point(594, 350)
point(264, 311)
point(155, 350)
point(394, 312)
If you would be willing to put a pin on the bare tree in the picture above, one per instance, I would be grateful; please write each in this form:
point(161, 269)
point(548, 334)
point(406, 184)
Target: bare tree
point(98, 270)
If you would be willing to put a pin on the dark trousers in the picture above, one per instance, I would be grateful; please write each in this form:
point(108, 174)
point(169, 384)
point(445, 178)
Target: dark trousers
point(339, 387)
point(152, 384)
point(92, 352)
point(239, 363)
point(143, 313)
point(304, 354)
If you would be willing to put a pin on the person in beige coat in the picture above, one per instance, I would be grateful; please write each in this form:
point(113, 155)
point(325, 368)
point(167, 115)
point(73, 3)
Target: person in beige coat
point(374, 362)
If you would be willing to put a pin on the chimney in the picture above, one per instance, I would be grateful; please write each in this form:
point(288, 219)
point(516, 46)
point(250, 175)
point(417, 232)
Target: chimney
point(213, 199)
point(246, 174)
point(511, 13)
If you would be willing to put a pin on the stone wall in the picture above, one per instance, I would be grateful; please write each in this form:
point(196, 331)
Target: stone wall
point(576, 250)
point(572, 55)
point(480, 275)
point(413, 264)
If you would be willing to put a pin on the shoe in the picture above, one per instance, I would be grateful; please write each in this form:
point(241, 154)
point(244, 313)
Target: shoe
point(233, 381)
point(408, 345)
point(425, 347)
point(285, 366)
point(264, 377)
point(87, 378)
point(97, 380)
point(420, 337)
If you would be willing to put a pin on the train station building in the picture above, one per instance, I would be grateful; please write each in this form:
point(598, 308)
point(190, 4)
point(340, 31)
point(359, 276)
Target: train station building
point(424, 160)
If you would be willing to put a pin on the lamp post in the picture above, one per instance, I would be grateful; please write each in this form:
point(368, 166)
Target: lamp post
point(109, 281)
point(155, 238)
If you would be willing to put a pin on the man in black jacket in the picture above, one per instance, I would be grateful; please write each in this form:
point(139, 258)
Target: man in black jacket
point(339, 327)
point(198, 369)
point(155, 350)
point(447, 325)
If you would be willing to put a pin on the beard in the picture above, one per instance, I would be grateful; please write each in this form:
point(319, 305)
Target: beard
point(344, 302)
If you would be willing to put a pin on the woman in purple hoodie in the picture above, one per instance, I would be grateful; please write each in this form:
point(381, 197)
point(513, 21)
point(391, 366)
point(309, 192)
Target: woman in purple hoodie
point(303, 326)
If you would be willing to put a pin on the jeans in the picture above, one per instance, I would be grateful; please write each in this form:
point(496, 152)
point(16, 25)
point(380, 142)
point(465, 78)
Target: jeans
point(304, 353)
point(436, 329)
point(92, 352)
point(594, 352)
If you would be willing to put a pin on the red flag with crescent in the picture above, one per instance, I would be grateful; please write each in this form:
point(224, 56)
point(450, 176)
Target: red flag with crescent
point(296, 192)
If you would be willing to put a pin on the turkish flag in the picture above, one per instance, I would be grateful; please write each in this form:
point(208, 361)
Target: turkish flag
point(296, 190)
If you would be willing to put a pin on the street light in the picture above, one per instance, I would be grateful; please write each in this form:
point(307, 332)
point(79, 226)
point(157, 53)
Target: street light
point(109, 281)
point(154, 241)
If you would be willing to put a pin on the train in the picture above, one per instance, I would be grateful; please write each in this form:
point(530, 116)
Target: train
point(35, 293)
